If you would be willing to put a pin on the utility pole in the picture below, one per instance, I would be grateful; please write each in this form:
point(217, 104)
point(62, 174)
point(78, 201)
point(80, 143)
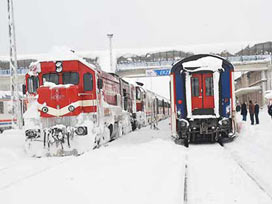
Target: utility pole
point(16, 110)
point(110, 40)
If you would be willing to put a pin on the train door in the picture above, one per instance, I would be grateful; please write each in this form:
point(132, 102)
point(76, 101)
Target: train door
point(202, 93)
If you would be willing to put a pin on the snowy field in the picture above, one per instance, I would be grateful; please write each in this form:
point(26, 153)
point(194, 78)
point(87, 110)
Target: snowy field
point(143, 167)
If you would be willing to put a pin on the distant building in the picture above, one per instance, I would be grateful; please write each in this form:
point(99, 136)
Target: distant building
point(253, 85)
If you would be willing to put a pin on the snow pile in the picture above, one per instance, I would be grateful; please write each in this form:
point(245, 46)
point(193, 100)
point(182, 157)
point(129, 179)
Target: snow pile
point(52, 85)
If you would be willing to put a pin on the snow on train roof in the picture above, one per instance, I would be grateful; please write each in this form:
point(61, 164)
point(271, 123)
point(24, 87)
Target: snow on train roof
point(203, 64)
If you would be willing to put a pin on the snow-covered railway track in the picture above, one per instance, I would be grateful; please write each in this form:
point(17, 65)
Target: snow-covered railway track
point(212, 175)
point(249, 173)
point(25, 169)
point(185, 191)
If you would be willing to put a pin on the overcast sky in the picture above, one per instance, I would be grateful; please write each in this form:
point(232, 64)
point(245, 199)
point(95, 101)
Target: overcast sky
point(83, 24)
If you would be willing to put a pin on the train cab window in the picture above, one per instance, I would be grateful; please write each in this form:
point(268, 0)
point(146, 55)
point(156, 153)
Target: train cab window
point(88, 82)
point(138, 94)
point(32, 84)
point(70, 78)
point(209, 86)
point(195, 86)
point(1, 107)
point(51, 77)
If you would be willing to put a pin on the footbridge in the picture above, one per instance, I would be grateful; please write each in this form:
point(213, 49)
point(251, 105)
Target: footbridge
point(162, 68)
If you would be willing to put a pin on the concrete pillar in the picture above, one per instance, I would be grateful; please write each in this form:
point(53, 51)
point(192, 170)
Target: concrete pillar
point(264, 81)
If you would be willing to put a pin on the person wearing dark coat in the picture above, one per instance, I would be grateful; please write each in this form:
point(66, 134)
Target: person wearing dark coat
point(256, 112)
point(270, 110)
point(238, 108)
point(244, 111)
point(251, 112)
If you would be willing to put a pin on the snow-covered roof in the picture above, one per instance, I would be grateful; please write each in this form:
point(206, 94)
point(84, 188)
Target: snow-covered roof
point(247, 90)
point(268, 94)
point(202, 62)
point(6, 94)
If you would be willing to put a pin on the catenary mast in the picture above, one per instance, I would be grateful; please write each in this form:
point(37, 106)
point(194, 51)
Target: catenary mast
point(16, 110)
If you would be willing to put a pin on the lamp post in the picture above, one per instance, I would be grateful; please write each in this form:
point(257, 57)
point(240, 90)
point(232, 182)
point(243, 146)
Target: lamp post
point(110, 47)
point(16, 110)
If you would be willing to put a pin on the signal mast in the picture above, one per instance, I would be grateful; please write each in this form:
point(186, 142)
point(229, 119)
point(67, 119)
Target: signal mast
point(16, 110)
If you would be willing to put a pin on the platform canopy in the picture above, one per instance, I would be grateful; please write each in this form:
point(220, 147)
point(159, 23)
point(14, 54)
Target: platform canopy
point(247, 90)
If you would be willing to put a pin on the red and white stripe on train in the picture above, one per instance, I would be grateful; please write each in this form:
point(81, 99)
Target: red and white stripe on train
point(202, 99)
point(79, 106)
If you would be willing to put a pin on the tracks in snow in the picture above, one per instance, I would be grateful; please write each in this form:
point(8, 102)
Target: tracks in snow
point(249, 173)
point(185, 196)
point(9, 174)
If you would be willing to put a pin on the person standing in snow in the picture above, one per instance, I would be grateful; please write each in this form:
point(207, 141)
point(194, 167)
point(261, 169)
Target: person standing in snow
point(238, 108)
point(270, 110)
point(244, 111)
point(251, 112)
point(256, 111)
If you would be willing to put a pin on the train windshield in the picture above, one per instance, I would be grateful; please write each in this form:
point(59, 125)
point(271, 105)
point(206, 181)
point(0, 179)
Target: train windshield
point(32, 84)
point(51, 77)
point(70, 78)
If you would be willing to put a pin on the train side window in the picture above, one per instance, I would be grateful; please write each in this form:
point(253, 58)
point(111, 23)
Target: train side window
point(88, 82)
point(195, 86)
point(1, 107)
point(138, 94)
point(70, 78)
point(32, 84)
point(51, 77)
point(209, 86)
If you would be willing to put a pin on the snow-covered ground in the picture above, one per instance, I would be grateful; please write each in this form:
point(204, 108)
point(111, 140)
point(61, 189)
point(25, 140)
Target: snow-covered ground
point(143, 167)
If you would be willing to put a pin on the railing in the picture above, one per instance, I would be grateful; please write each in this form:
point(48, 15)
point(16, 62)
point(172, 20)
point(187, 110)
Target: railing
point(166, 63)
point(20, 71)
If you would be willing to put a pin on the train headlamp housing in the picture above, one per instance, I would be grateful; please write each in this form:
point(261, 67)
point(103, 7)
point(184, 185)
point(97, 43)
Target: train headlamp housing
point(71, 108)
point(33, 133)
point(183, 124)
point(224, 122)
point(45, 109)
point(81, 130)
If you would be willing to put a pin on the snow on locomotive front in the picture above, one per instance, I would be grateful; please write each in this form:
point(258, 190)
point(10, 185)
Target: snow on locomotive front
point(64, 115)
point(202, 99)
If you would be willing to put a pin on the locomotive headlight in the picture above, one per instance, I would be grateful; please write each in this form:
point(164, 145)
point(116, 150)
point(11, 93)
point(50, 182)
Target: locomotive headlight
point(71, 108)
point(81, 130)
point(45, 109)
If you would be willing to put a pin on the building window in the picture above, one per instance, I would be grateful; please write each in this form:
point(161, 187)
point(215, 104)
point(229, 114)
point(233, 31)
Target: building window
point(88, 82)
point(1, 107)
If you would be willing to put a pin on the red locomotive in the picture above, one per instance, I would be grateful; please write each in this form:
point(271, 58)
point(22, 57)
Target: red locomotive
point(75, 106)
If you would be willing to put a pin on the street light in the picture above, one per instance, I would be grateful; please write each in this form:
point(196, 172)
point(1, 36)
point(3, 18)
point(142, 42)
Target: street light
point(110, 41)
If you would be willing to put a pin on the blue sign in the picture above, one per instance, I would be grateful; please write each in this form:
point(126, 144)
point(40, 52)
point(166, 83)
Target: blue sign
point(163, 72)
point(158, 72)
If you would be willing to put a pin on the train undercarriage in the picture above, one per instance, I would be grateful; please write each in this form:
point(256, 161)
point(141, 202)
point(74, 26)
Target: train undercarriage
point(204, 130)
